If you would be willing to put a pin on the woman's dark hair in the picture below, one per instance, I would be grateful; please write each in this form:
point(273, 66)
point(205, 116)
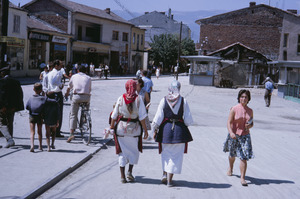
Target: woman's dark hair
point(141, 82)
point(242, 92)
point(82, 69)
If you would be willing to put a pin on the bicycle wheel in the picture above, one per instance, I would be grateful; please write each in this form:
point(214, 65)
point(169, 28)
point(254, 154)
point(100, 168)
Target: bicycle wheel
point(89, 123)
point(81, 123)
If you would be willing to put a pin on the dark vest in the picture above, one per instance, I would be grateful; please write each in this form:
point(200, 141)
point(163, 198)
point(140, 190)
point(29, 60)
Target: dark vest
point(173, 130)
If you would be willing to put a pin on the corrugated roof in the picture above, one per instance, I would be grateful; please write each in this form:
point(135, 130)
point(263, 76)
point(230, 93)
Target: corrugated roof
point(35, 23)
point(80, 8)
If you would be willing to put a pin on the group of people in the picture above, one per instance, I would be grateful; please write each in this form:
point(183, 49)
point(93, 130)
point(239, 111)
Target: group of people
point(170, 127)
point(46, 105)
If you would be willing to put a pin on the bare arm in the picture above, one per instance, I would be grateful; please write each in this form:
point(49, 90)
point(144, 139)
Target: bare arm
point(229, 124)
point(145, 128)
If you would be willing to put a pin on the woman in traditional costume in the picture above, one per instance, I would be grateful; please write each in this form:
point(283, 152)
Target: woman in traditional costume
point(238, 142)
point(171, 132)
point(128, 119)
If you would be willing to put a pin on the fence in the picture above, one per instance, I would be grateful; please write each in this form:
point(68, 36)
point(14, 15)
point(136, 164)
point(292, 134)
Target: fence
point(293, 90)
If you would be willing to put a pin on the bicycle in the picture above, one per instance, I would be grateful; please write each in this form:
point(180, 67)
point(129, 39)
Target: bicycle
point(85, 123)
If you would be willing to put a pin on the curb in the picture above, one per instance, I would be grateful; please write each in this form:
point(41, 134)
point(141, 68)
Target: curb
point(61, 175)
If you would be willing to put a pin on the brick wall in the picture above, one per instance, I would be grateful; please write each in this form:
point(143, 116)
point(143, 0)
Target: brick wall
point(259, 29)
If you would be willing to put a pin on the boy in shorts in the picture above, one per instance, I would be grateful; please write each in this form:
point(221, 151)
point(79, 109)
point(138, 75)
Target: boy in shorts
point(35, 105)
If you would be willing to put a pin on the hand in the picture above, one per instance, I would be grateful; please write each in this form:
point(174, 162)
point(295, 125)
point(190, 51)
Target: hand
point(232, 135)
point(145, 135)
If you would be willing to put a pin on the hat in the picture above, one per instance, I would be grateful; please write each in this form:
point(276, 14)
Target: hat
point(268, 78)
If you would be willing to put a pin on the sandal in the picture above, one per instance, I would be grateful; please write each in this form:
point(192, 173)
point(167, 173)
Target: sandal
point(123, 180)
point(244, 183)
point(130, 177)
point(164, 179)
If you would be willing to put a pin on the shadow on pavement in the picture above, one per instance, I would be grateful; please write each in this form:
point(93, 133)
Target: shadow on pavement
point(183, 183)
point(258, 181)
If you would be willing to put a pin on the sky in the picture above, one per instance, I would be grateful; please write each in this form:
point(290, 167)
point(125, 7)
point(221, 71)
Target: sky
point(180, 5)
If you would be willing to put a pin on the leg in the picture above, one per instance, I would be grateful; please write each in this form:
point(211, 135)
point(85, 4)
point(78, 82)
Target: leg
point(53, 130)
point(231, 163)
point(48, 133)
point(59, 97)
point(266, 97)
point(32, 132)
point(10, 122)
point(39, 131)
point(164, 178)
point(73, 117)
point(170, 179)
point(129, 174)
point(243, 168)
point(5, 131)
point(122, 170)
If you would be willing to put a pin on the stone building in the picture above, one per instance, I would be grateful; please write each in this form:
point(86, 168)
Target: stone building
point(257, 26)
point(157, 23)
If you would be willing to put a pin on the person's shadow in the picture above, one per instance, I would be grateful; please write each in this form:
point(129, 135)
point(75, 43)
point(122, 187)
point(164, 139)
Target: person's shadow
point(259, 181)
point(183, 183)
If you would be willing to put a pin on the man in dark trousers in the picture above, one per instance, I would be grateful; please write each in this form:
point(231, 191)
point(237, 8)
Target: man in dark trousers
point(11, 101)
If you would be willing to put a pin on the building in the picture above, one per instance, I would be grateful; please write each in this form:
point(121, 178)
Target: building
point(258, 26)
point(98, 36)
point(157, 23)
point(137, 49)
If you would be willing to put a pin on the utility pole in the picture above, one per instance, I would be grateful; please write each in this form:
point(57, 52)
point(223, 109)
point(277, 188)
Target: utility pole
point(179, 49)
point(4, 23)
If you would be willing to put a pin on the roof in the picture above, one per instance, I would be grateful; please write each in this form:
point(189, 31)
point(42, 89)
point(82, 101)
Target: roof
point(80, 8)
point(244, 9)
point(11, 5)
point(36, 23)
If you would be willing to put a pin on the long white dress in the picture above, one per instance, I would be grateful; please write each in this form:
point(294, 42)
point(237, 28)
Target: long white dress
point(128, 132)
point(172, 154)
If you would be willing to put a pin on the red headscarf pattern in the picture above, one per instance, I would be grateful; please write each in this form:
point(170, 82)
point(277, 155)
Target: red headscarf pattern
point(130, 94)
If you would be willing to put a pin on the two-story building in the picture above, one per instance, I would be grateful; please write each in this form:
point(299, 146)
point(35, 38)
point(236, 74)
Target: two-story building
point(99, 36)
point(137, 49)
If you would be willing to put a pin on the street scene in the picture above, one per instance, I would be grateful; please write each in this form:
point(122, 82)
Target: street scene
point(273, 173)
point(149, 99)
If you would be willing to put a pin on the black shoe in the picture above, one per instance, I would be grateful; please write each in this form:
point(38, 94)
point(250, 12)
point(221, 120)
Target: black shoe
point(58, 135)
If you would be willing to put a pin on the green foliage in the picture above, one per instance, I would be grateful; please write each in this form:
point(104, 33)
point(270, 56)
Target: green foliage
point(164, 48)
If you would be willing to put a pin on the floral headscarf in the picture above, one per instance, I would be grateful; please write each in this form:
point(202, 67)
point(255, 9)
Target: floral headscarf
point(130, 94)
point(174, 92)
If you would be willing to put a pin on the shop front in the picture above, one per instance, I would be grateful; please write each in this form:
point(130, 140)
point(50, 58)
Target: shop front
point(58, 48)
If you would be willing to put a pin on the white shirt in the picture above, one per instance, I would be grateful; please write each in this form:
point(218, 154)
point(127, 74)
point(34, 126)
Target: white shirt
point(55, 80)
point(81, 83)
point(159, 116)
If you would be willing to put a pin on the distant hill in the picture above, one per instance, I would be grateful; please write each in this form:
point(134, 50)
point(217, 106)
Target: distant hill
point(187, 18)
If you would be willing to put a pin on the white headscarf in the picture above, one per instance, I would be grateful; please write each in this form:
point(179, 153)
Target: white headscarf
point(174, 93)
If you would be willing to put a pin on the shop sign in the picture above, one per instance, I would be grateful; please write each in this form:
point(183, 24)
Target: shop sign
point(13, 41)
point(58, 39)
point(60, 47)
point(39, 36)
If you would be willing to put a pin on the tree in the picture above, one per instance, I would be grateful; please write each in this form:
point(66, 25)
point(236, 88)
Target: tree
point(164, 48)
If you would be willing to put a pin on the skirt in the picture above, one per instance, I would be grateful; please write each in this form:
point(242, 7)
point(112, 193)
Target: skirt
point(240, 147)
point(172, 157)
point(130, 151)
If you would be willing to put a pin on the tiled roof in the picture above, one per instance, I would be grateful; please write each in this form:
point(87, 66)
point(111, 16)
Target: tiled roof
point(35, 23)
point(80, 8)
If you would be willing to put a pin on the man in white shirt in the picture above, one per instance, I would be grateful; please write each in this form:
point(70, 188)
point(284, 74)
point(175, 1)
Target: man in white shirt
point(56, 85)
point(81, 85)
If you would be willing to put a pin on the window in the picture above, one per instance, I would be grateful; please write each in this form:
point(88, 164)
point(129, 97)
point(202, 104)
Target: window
point(133, 38)
point(138, 41)
point(79, 33)
point(125, 36)
point(142, 39)
point(16, 28)
point(284, 55)
point(93, 34)
point(285, 40)
point(115, 35)
point(298, 49)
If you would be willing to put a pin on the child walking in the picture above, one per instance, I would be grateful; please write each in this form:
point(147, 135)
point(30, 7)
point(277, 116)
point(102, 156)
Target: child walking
point(51, 118)
point(35, 105)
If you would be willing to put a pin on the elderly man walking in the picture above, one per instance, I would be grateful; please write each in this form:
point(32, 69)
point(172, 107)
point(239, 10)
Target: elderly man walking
point(81, 85)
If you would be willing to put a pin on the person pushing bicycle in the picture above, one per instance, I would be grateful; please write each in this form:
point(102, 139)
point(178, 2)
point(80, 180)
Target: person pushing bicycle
point(81, 85)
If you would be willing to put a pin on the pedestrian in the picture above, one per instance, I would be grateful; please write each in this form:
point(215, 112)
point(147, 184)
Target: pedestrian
point(145, 98)
point(106, 69)
point(269, 86)
point(128, 120)
point(157, 72)
point(44, 73)
point(81, 85)
point(45, 79)
point(171, 131)
point(35, 106)
point(238, 141)
point(56, 85)
point(138, 73)
point(12, 96)
point(148, 84)
point(51, 119)
point(92, 69)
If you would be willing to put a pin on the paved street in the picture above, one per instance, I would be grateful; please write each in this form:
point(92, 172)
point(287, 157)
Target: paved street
point(273, 173)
